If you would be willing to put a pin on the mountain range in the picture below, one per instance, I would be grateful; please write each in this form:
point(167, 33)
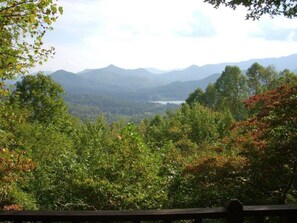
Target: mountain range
point(152, 84)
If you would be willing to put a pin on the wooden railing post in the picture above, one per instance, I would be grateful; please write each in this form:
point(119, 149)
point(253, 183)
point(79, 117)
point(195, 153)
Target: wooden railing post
point(234, 211)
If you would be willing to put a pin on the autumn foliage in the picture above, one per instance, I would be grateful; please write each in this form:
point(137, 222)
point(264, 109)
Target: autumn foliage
point(13, 166)
point(270, 145)
point(257, 162)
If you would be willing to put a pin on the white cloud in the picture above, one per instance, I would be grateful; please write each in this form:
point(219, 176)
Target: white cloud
point(163, 34)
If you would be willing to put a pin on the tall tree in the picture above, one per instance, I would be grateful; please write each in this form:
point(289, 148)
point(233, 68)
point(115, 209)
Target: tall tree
point(231, 90)
point(23, 24)
point(254, 74)
point(195, 97)
point(42, 96)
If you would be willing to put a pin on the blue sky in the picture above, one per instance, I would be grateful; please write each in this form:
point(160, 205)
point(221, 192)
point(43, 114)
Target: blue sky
point(164, 34)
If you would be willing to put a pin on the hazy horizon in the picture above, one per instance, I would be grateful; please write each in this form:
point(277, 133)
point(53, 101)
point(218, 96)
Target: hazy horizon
point(166, 35)
point(156, 70)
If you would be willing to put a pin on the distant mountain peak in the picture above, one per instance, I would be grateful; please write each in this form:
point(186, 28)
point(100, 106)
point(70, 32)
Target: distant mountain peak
point(111, 66)
point(61, 70)
point(192, 67)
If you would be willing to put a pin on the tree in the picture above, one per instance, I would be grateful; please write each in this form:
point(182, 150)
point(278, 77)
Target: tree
point(188, 128)
point(256, 8)
point(209, 99)
point(231, 90)
point(15, 163)
point(13, 166)
point(23, 24)
point(256, 163)
point(254, 76)
point(270, 143)
point(54, 156)
point(42, 96)
point(116, 169)
point(210, 180)
point(285, 77)
point(226, 94)
point(261, 78)
point(195, 97)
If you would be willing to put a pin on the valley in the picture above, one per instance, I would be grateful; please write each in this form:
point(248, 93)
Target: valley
point(127, 93)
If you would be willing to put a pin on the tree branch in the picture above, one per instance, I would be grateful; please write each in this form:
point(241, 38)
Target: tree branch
point(15, 5)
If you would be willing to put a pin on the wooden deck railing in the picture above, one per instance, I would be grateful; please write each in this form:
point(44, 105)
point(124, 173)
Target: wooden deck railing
point(233, 212)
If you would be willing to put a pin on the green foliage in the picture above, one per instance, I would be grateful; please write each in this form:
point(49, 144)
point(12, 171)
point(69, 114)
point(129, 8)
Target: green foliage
point(232, 88)
point(286, 77)
point(226, 94)
point(261, 78)
point(181, 137)
point(195, 97)
point(256, 9)
point(23, 24)
point(195, 156)
point(258, 158)
point(187, 127)
point(118, 171)
point(254, 74)
point(15, 162)
point(42, 97)
point(137, 169)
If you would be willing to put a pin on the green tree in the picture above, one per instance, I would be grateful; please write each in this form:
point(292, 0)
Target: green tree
point(42, 97)
point(188, 128)
point(268, 78)
point(116, 169)
point(254, 74)
point(261, 78)
point(195, 97)
point(231, 90)
point(285, 77)
point(226, 94)
point(258, 158)
point(55, 169)
point(23, 24)
point(37, 157)
point(256, 9)
point(15, 162)
point(210, 99)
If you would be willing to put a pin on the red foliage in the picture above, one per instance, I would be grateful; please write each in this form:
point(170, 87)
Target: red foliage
point(13, 207)
point(13, 164)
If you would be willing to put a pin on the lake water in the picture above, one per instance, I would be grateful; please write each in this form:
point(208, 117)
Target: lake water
point(168, 102)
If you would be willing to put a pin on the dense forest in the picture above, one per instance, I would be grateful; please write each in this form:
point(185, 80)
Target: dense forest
point(88, 107)
point(235, 139)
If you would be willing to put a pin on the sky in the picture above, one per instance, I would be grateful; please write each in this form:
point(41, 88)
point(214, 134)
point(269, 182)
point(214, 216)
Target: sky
point(162, 34)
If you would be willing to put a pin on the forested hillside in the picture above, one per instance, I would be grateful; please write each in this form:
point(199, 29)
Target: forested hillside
point(89, 107)
point(235, 137)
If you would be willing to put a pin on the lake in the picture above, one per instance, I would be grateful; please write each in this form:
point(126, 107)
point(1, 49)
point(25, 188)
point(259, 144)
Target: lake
point(168, 102)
